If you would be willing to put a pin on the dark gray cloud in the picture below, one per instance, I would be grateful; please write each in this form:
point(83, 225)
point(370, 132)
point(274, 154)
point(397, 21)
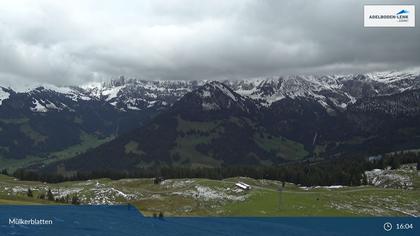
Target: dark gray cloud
point(80, 41)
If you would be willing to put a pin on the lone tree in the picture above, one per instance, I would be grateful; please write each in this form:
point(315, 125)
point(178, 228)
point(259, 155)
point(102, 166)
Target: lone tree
point(158, 180)
point(50, 195)
point(364, 179)
point(395, 163)
point(75, 200)
point(29, 193)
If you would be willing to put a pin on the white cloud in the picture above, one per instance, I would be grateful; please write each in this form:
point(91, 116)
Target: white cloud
point(76, 41)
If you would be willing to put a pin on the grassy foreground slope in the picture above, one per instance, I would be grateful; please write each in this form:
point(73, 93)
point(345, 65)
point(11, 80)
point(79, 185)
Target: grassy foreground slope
point(203, 197)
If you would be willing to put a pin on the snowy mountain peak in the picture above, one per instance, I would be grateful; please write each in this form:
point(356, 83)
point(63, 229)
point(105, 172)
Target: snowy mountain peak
point(219, 88)
point(4, 94)
point(216, 95)
point(331, 91)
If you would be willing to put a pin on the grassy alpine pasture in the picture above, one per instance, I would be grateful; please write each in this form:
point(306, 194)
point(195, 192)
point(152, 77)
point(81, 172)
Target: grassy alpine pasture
point(86, 141)
point(204, 197)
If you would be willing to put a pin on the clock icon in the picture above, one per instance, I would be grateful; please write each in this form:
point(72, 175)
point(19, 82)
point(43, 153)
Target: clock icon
point(387, 226)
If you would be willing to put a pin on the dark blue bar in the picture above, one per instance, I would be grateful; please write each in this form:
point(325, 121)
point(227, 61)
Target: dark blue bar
point(126, 220)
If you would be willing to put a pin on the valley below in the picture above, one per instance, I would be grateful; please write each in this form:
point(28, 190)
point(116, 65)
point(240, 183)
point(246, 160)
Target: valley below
point(389, 193)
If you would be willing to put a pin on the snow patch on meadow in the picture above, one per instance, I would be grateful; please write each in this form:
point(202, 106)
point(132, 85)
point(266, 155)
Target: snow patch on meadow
point(322, 187)
point(176, 183)
point(390, 178)
point(208, 194)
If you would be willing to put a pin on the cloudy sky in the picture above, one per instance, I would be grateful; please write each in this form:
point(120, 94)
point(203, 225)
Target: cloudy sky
point(73, 42)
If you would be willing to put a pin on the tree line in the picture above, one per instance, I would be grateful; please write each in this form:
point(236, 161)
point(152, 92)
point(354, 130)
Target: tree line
point(49, 195)
point(343, 171)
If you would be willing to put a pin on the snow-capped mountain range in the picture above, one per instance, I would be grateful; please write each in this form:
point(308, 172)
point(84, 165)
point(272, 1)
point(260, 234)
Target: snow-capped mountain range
point(331, 91)
point(302, 112)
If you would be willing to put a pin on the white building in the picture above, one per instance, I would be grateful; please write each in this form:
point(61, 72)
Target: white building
point(243, 186)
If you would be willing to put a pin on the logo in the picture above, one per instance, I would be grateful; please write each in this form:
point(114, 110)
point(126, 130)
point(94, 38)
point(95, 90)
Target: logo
point(403, 12)
point(389, 16)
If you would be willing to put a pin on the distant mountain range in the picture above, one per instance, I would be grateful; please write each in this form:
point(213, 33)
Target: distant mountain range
point(126, 123)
